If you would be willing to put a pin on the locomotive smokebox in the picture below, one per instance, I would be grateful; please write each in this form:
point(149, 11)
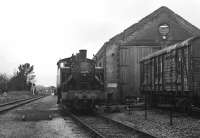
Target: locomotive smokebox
point(83, 54)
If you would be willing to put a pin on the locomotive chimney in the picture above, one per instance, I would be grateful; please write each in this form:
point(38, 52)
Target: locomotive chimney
point(83, 54)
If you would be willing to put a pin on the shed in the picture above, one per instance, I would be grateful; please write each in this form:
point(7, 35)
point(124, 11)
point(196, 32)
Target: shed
point(120, 56)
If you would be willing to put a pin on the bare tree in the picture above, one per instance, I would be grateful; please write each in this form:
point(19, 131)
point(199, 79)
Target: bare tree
point(23, 78)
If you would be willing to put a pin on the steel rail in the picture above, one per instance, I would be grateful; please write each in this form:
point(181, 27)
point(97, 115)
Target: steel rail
point(99, 134)
point(127, 127)
point(14, 101)
point(11, 105)
point(94, 133)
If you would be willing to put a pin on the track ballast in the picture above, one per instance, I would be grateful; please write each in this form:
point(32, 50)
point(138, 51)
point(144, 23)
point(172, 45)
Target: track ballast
point(102, 127)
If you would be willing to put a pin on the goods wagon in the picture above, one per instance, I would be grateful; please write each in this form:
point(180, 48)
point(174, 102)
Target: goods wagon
point(172, 75)
point(79, 82)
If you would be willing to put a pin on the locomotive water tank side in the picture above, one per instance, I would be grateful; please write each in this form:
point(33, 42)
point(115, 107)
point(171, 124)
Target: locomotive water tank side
point(63, 73)
point(58, 85)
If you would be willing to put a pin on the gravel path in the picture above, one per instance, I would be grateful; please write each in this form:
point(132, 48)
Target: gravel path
point(157, 124)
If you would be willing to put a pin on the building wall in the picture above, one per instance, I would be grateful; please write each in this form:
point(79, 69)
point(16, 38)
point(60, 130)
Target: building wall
point(129, 68)
point(112, 70)
point(149, 35)
point(149, 32)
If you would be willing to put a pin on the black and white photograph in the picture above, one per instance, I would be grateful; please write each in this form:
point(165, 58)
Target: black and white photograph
point(99, 69)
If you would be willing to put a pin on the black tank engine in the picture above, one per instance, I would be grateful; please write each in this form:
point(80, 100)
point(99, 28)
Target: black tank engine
point(79, 82)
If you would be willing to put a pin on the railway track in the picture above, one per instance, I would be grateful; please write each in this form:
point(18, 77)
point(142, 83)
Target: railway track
point(102, 127)
point(11, 105)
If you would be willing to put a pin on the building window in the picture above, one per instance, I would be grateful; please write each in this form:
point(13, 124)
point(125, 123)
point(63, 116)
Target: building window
point(164, 30)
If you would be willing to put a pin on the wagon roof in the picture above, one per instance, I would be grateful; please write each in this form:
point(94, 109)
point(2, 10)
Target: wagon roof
point(169, 48)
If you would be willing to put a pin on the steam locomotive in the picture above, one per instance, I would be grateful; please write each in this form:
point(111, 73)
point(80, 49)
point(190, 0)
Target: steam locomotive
point(80, 83)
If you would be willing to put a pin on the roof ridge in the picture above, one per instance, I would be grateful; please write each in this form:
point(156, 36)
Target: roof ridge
point(138, 24)
point(190, 27)
point(180, 20)
point(193, 30)
point(155, 13)
point(150, 16)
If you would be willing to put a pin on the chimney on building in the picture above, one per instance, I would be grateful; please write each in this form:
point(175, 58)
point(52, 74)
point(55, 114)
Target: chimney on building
point(83, 54)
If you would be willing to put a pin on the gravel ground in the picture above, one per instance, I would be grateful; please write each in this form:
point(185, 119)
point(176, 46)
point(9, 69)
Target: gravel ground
point(14, 95)
point(157, 124)
point(37, 123)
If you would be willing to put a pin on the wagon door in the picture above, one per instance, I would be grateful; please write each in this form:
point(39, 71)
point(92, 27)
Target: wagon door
point(196, 70)
point(124, 71)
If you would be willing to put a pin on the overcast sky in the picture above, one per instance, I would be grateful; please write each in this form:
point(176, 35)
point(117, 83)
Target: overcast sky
point(43, 31)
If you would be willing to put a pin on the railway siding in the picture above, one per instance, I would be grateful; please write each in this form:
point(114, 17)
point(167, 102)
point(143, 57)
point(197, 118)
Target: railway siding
point(15, 95)
point(104, 127)
point(158, 124)
point(8, 106)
